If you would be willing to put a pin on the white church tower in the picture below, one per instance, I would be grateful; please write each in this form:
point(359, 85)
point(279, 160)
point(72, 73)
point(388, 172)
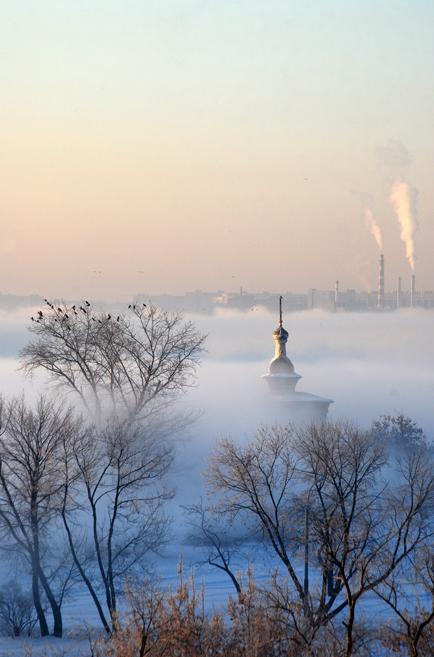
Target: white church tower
point(282, 380)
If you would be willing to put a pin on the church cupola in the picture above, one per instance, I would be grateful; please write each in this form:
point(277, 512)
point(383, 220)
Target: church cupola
point(281, 376)
point(297, 407)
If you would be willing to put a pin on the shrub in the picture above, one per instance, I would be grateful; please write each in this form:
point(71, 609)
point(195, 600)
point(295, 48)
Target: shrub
point(17, 615)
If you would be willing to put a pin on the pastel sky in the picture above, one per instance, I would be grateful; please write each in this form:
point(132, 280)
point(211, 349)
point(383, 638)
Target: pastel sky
point(169, 145)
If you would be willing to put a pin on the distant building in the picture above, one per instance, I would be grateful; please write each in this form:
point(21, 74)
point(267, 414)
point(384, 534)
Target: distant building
point(282, 380)
point(428, 299)
point(324, 299)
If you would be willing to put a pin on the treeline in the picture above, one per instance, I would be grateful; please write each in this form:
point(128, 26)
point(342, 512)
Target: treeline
point(341, 515)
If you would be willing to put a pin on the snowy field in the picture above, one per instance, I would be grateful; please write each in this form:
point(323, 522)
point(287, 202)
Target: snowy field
point(370, 364)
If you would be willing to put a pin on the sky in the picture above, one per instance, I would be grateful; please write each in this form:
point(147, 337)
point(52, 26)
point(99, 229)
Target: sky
point(169, 146)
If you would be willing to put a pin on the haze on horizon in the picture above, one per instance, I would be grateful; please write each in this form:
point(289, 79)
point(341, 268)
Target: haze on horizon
point(168, 146)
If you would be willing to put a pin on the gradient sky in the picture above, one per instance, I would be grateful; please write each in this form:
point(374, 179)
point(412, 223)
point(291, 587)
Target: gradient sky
point(168, 145)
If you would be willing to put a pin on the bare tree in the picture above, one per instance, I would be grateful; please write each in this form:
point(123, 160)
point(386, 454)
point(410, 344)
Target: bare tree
point(398, 432)
point(130, 365)
point(367, 518)
point(410, 595)
point(31, 449)
point(127, 371)
point(256, 484)
point(211, 534)
point(360, 525)
point(17, 611)
point(115, 480)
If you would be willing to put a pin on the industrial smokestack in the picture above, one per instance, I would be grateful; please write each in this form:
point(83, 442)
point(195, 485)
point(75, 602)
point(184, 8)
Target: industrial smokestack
point(312, 298)
point(413, 291)
point(336, 293)
point(380, 294)
point(399, 292)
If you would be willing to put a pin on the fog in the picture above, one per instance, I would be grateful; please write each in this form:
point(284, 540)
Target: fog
point(369, 364)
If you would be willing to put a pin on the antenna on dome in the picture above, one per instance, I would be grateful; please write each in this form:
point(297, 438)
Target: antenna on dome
point(280, 312)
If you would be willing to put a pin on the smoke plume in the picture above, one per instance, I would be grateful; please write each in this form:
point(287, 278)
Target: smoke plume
point(403, 198)
point(393, 156)
point(373, 228)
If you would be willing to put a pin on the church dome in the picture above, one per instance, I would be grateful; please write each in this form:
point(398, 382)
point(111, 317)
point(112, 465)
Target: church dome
point(281, 365)
point(280, 333)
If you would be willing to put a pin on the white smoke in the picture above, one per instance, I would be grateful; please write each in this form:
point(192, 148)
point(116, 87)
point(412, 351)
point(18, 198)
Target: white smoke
point(373, 228)
point(403, 198)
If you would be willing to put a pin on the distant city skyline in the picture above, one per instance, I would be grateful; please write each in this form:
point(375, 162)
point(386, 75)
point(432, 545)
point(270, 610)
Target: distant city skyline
point(207, 301)
point(191, 143)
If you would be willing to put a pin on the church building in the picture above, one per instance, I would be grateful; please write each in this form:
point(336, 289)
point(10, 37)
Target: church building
point(298, 407)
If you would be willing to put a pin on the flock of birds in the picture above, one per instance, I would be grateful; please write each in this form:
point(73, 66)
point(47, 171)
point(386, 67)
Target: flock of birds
point(64, 315)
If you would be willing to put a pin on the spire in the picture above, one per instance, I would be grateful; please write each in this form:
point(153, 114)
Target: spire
point(280, 331)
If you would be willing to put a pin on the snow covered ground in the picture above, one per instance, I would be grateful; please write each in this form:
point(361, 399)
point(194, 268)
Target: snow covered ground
point(49, 647)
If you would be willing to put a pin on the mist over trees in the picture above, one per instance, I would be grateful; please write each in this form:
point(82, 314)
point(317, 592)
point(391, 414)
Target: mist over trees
point(31, 481)
point(97, 470)
point(341, 517)
point(331, 498)
point(125, 366)
point(398, 432)
point(115, 480)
